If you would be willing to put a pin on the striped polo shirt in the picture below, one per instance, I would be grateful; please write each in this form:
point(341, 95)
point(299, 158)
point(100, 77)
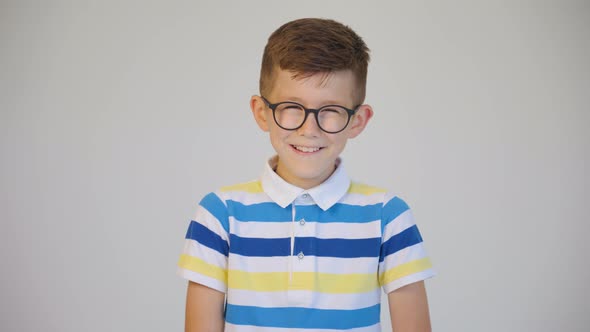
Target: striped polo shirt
point(290, 259)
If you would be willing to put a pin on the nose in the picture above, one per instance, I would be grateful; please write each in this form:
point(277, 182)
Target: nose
point(310, 127)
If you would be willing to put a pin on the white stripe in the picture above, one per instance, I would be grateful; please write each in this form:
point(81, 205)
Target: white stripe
point(306, 299)
point(412, 278)
point(307, 264)
point(248, 328)
point(336, 230)
point(205, 218)
point(246, 198)
point(201, 279)
point(403, 256)
point(398, 225)
point(361, 200)
point(263, 230)
point(195, 249)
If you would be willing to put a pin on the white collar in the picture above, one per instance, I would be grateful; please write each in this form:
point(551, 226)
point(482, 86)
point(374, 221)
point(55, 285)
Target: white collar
point(324, 195)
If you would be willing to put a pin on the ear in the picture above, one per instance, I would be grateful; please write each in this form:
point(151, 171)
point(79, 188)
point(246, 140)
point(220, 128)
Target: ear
point(259, 111)
point(359, 121)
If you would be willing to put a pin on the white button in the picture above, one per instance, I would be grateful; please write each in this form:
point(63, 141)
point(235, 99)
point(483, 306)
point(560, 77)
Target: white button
point(305, 195)
point(301, 255)
point(302, 222)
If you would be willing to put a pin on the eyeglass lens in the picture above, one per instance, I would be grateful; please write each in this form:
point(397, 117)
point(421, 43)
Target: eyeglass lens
point(330, 118)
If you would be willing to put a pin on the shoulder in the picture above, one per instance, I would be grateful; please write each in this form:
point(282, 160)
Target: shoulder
point(253, 186)
point(389, 203)
point(367, 192)
point(217, 205)
point(364, 189)
point(231, 192)
point(243, 192)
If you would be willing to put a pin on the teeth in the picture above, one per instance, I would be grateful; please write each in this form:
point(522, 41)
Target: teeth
point(305, 149)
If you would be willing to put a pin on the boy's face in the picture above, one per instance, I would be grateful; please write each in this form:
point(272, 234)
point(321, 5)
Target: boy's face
point(307, 155)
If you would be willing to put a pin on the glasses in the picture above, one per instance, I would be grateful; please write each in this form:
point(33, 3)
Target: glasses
point(331, 119)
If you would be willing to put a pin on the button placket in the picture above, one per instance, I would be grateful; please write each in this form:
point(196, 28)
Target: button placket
point(298, 233)
point(298, 261)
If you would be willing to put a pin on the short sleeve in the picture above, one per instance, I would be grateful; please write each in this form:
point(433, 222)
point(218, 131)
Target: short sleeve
point(206, 247)
point(403, 259)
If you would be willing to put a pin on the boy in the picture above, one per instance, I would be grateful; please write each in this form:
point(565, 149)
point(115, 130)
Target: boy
point(303, 248)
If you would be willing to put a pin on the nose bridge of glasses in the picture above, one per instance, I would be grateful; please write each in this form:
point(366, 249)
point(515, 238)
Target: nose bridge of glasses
point(311, 113)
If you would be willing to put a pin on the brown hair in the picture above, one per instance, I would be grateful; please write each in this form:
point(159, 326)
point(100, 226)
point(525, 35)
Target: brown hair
point(310, 46)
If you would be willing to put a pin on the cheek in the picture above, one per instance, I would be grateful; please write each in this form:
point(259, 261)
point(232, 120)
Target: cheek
point(276, 139)
point(339, 141)
point(340, 146)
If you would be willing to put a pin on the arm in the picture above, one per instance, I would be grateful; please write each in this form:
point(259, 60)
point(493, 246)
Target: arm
point(204, 309)
point(408, 308)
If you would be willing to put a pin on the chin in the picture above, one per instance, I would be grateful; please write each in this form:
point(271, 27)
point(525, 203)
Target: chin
point(311, 172)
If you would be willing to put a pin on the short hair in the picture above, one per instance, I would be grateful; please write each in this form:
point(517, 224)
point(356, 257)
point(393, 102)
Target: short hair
point(312, 46)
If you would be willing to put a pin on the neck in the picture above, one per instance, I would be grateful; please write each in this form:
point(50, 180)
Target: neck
point(304, 183)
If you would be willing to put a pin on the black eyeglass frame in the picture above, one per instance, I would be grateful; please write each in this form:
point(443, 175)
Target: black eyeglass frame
point(315, 112)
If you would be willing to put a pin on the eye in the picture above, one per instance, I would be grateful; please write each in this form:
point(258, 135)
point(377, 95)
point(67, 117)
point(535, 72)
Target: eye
point(288, 106)
point(332, 111)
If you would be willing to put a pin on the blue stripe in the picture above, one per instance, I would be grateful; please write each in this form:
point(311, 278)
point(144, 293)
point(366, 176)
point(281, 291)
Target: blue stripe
point(302, 318)
point(341, 248)
point(215, 206)
point(268, 211)
point(259, 247)
point(312, 246)
point(408, 237)
point(340, 213)
point(392, 210)
point(206, 237)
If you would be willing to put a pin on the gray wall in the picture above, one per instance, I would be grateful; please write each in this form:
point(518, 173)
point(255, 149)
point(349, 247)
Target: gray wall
point(116, 118)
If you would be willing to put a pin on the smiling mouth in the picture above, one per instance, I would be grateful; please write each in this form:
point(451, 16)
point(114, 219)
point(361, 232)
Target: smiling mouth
point(306, 149)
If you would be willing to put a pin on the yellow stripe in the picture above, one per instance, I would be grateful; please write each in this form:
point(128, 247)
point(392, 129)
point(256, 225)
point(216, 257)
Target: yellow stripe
point(250, 187)
point(317, 282)
point(200, 266)
point(404, 270)
point(363, 189)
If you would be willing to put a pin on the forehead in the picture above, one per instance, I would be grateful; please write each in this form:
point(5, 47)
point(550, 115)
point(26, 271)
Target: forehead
point(314, 90)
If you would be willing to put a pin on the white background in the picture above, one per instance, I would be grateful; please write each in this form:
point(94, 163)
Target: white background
point(118, 116)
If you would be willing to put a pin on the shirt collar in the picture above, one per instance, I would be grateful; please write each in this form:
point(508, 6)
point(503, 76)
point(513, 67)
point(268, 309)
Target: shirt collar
point(324, 195)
